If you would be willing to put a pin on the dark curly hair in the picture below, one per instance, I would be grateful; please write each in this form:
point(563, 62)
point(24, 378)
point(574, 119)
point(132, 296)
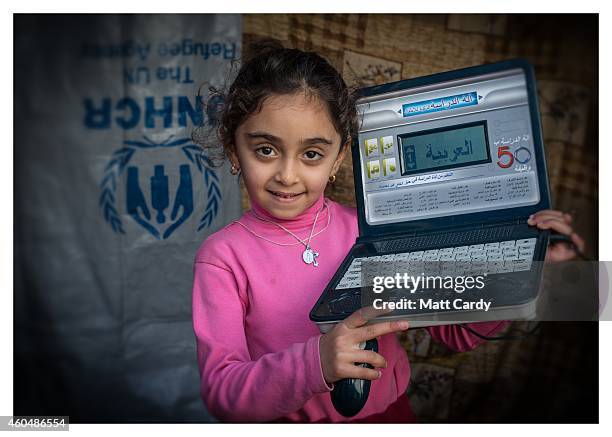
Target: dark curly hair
point(270, 69)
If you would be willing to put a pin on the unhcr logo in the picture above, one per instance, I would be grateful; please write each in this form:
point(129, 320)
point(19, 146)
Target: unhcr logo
point(168, 207)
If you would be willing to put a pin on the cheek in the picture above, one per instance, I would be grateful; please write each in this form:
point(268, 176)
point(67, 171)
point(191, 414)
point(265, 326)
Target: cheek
point(248, 164)
point(252, 175)
point(317, 177)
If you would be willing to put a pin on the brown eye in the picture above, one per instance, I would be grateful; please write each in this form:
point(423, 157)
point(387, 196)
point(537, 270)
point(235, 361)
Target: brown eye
point(265, 151)
point(311, 155)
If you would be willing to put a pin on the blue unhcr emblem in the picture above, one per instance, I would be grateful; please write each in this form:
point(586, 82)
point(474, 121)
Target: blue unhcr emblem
point(156, 216)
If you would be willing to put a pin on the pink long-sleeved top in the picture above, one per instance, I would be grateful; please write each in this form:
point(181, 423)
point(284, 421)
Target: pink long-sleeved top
point(257, 349)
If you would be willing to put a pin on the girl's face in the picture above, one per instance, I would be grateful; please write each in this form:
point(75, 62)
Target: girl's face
point(287, 152)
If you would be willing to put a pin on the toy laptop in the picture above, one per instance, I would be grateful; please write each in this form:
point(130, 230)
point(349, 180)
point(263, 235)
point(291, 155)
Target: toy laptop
point(448, 168)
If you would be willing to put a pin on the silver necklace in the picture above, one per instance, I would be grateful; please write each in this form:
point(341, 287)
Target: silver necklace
point(309, 256)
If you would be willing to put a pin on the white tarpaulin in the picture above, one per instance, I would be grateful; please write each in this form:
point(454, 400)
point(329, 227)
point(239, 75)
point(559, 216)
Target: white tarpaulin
point(112, 200)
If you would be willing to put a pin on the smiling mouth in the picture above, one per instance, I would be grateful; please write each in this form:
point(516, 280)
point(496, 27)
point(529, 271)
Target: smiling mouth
point(284, 195)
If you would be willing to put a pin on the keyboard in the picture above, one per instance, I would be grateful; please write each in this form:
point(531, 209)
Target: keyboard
point(477, 259)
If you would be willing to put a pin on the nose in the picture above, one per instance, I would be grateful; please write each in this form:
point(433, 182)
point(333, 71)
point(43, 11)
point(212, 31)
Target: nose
point(287, 172)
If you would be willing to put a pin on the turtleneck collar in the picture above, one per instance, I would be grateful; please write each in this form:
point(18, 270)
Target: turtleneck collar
point(304, 220)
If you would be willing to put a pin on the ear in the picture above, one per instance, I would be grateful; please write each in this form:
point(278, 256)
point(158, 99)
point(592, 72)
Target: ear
point(230, 150)
point(343, 149)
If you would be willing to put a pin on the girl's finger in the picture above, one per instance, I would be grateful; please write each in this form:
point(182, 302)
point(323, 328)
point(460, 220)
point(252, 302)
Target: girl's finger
point(362, 316)
point(355, 320)
point(358, 372)
point(550, 212)
point(541, 217)
point(549, 219)
point(370, 357)
point(377, 329)
point(555, 225)
point(578, 241)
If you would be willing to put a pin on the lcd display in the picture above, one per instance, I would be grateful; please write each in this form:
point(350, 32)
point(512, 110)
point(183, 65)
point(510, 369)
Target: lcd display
point(444, 148)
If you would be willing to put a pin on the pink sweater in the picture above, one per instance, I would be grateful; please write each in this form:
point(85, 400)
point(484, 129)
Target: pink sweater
point(258, 351)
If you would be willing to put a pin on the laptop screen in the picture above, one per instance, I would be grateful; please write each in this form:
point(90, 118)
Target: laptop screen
point(446, 149)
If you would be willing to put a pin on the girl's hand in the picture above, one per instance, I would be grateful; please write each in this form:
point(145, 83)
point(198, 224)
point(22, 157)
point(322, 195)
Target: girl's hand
point(560, 222)
point(339, 348)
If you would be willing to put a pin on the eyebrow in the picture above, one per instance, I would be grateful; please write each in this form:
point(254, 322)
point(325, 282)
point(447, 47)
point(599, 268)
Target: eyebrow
point(274, 139)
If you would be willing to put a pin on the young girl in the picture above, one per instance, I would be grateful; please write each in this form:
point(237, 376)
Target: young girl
point(286, 126)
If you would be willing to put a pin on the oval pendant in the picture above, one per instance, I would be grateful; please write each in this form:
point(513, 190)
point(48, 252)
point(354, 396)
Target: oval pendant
point(308, 256)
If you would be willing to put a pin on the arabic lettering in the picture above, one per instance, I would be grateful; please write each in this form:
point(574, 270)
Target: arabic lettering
point(439, 104)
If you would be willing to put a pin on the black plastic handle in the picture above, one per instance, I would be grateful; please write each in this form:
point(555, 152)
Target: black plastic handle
point(350, 395)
